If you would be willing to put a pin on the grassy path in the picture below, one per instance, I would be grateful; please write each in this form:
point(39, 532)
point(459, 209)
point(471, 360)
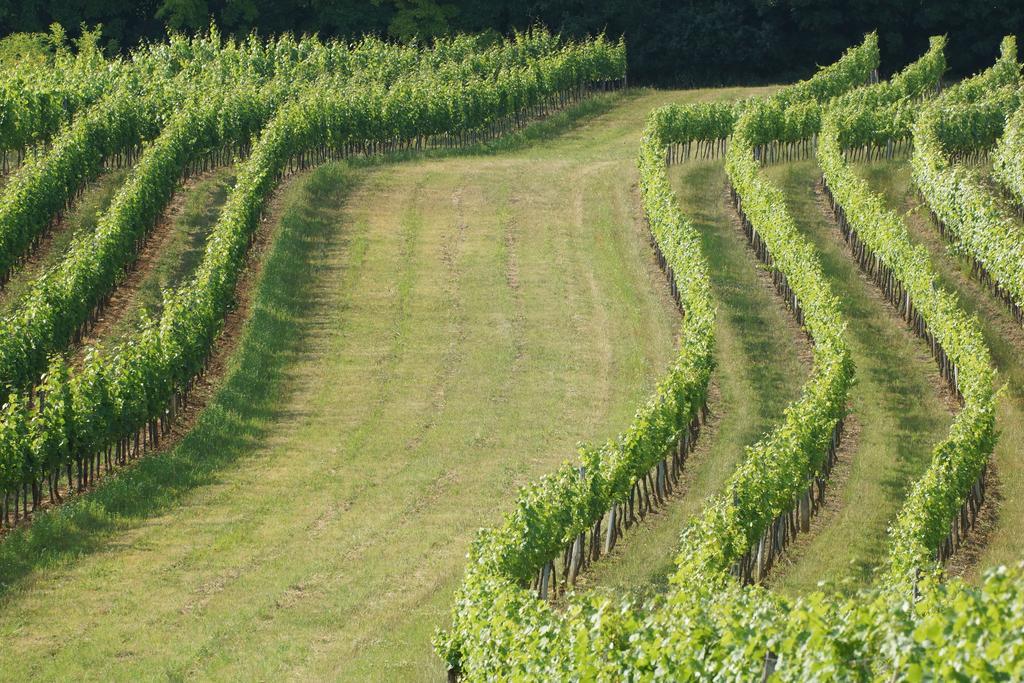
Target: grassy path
point(999, 542)
point(763, 359)
point(172, 252)
point(81, 218)
point(427, 336)
point(898, 403)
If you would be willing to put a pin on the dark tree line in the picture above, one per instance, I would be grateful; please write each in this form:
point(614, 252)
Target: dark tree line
point(680, 42)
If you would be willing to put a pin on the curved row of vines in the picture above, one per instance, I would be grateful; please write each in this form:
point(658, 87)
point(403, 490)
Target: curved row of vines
point(711, 625)
point(74, 421)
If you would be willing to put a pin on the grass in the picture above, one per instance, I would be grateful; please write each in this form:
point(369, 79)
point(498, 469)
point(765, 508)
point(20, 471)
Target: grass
point(177, 250)
point(759, 370)
point(426, 337)
point(896, 402)
point(81, 218)
point(1005, 340)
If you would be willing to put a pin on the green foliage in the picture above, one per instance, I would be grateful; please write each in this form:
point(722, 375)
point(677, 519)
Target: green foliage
point(184, 15)
point(421, 19)
point(239, 88)
point(885, 111)
point(710, 627)
point(957, 462)
point(711, 42)
point(971, 116)
point(780, 467)
point(115, 395)
point(776, 118)
point(295, 100)
point(20, 49)
point(204, 115)
point(500, 628)
point(1008, 157)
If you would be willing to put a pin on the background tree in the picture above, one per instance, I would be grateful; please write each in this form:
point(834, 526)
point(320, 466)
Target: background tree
point(678, 42)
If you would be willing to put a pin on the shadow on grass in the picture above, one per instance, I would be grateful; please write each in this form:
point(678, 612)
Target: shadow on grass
point(202, 207)
point(81, 219)
point(770, 352)
point(892, 373)
point(242, 410)
point(201, 211)
point(235, 421)
point(758, 369)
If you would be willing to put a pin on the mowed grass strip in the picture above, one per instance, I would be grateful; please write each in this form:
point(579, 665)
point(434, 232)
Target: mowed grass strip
point(81, 218)
point(171, 254)
point(426, 337)
point(762, 363)
point(901, 407)
point(1000, 534)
